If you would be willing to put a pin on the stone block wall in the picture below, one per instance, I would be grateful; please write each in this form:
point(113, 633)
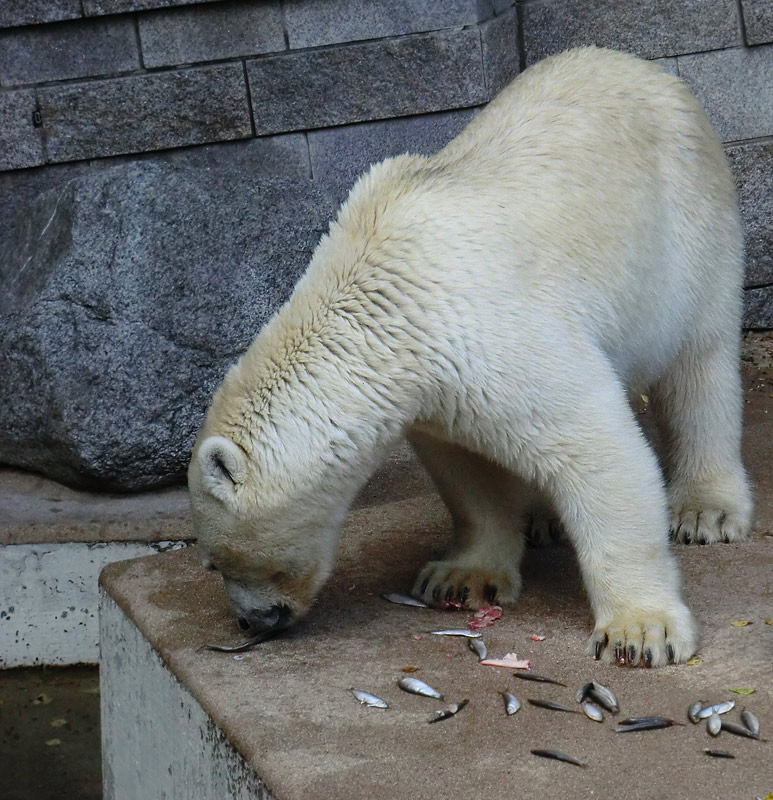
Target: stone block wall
point(99, 79)
point(253, 94)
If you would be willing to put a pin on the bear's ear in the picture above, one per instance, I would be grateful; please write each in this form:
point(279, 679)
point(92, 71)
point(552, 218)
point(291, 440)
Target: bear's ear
point(223, 466)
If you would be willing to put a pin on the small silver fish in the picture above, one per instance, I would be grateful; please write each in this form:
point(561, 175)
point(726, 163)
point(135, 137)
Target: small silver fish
point(531, 676)
point(560, 756)
point(552, 705)
point(692, 711)
point(717, 708)
point(604, 697)
point(478, 647)
point(645, 724)
point(582, 692)
point(512, 704)
point(468, 634)
point(248, 645)
point(404, 600)
point(447, 711)
point(714, 724)
point(368, 699)
point(740, 730)
point(750, 720)
point(592, 711)
point(714, 753)
point(415, 686)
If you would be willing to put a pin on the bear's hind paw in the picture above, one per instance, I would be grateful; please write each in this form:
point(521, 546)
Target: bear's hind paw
point(709, 526)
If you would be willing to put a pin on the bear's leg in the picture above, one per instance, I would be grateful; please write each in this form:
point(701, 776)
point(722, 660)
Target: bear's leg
point(603, 478)
point(699, 408)
point(486, 503)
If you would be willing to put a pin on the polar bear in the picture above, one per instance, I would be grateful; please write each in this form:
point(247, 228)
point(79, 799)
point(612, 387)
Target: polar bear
point(494, 303)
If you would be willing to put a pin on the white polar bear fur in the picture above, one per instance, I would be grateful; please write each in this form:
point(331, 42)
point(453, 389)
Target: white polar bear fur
point(494, 302)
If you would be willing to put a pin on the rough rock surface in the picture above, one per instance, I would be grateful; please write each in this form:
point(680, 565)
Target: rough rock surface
point(111, 286)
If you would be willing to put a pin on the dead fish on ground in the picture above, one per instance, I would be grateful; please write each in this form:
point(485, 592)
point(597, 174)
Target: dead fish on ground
point(248, 645)
point(404, 600)
point(714, 753)
point(716, 708)
point(740, 730)
point(531, 676)
point(714, 724)
point(512, 703)
point(592, 711)
point(447, 711)
point(600, 695)
point(693, 710)
point(558, 755)
point(415, 686)
point(478, 647)
point(467, 634)
point(552, 705)
point(645, 724)
point(368, 699)
point(750, 720)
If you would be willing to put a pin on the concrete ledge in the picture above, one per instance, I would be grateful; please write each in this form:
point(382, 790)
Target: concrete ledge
point(48, 599)
point(285, 706)
point(144, 754)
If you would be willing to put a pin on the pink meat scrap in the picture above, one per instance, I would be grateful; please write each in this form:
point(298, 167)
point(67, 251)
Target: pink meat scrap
point(484, 617)
point(510, 661)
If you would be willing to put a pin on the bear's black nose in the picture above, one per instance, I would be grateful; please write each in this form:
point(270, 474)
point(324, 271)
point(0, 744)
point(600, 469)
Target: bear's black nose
point(259, 620)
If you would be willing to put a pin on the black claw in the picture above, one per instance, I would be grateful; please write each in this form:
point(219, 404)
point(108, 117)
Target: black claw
point(670, 655)
point(632, 660)
point(599, 649)
point(424, 585)
point(491, 593)
point(450, 594)
point(465, 594)
point(436, 593)
point(648, 657)
point(619, 652)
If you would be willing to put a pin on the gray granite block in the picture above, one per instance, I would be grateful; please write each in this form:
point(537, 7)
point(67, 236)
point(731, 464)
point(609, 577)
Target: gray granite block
point(752, 166)
point(312, 23)
point(668, 65)
point(376, 80)
point(758, 308)
point(736, 88)
point(147, 112)
point(268, 157)
point(93, 8)
point(501, 54)
point(68, 50)
point(758, 20)
point(20, 141)
point(210, 33)
point(649, 28)
point(283, 156)
point(339, 155)
point(34, 12)
point(127, 293)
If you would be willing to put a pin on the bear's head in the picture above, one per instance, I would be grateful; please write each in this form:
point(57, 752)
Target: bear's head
point(274, 553)
point(268, 521)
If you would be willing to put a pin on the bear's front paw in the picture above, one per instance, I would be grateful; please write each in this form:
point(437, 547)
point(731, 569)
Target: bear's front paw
point(708, 526)
point(443, 583)
point(652, 638)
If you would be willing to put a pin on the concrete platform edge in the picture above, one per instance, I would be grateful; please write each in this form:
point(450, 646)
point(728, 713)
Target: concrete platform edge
point(157, 741)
